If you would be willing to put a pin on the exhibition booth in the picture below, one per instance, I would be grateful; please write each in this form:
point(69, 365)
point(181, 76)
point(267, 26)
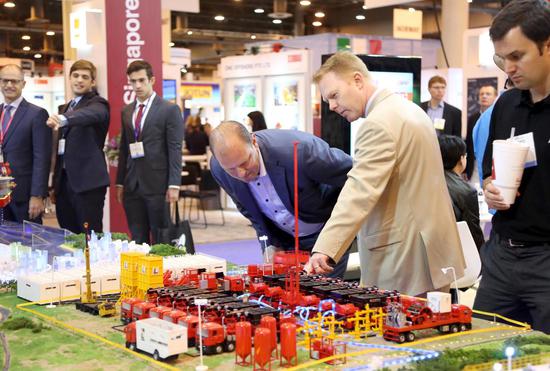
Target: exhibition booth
point(170, 306)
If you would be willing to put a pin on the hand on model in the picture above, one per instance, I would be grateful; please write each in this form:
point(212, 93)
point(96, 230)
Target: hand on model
point(493, 198)
point(318, 264)
point(54, 121)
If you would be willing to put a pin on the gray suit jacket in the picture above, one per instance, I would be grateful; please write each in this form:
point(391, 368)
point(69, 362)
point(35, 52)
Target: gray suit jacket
point(162, 137)
point(396, 199)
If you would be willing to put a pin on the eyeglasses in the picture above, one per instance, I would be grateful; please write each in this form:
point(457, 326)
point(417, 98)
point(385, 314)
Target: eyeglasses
point(12, 81)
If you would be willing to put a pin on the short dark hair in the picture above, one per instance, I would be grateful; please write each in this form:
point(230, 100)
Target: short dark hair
point(83, 64)
point(258, 120)
point(452, 148)
point(435, 80)
point(532, 17)
point(140, 65)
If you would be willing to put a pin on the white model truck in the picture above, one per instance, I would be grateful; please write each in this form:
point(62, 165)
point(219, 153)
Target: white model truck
point(157, 337)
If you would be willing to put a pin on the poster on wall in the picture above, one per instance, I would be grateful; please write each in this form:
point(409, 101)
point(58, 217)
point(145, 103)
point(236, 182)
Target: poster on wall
point(473, 92)
point(242, 96)
point(285, 93)
point(282, 110)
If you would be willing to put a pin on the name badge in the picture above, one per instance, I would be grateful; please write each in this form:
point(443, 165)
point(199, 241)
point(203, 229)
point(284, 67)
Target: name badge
point(531, 159)
point(61, 147)
point(439, 124)
point(136, 150)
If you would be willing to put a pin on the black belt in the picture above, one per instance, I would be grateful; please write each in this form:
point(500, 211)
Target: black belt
point(509, 242)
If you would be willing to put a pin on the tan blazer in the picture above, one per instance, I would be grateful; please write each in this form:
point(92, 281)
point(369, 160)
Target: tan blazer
point(396, 200)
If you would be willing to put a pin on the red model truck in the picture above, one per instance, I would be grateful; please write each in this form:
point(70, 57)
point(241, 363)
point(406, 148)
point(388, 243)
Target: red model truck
point(403, 321)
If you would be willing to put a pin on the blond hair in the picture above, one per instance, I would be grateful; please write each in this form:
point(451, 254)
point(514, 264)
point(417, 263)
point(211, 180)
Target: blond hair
point(342, 64)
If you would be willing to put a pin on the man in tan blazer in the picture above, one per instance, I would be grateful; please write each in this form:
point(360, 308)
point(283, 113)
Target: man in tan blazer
point(395, 198)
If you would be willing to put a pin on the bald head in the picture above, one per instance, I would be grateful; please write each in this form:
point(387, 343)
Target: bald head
point(236, 150)
point(227, 135)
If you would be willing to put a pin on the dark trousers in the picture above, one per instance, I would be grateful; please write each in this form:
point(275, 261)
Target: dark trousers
point(74, 209)
point(515, 282)
point(19, 211)
point(146, 215)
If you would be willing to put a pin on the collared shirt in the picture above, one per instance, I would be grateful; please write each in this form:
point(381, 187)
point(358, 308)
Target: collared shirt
point(479, 138)
point(528, 219)
point(435, 113)
point(371, 99)
point(270, 204)
point(62, 117)
point(14, 105)
point(147, 102)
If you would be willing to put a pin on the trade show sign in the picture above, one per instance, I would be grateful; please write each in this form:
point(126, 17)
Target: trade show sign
point(133, 32)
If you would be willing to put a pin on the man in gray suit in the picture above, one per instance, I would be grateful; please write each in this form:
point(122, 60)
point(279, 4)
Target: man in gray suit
point(257, 172)
point(149, 168)
point(395, 198)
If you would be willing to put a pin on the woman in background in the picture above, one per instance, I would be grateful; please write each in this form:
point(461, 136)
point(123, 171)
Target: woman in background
point(256, 121)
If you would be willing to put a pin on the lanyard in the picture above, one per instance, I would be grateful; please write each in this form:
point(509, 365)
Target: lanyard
point(2, 132)
point(142, 116)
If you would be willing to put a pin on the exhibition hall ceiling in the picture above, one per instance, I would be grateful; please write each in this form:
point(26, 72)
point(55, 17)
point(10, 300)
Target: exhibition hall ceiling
point(33, 29)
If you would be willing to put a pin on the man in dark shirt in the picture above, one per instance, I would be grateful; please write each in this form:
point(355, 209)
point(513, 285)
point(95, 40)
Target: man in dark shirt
point(516, 260)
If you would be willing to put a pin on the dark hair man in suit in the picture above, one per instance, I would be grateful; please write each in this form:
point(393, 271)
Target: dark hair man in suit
point(149, 167)
point(26, 143)
point(80, 176)
point(447, 119)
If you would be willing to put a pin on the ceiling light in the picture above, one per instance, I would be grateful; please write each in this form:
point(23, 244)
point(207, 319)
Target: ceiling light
point(26, 48)
point(305, 2)
point(364, 7)
point(50, 33)
point(9, 4)
point(360, 17)
point(319, 14)
point(171, 44)
point(469, 1)
point(317, 24)
point(190, 32)
point(412, 10)
point(25, 37)
point(38, 55)
point(259, 10)
point(277, 21)
point(253, 37)
point(219, 18)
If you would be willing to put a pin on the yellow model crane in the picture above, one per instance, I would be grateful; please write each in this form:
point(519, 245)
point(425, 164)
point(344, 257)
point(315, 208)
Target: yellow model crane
point(88, 302)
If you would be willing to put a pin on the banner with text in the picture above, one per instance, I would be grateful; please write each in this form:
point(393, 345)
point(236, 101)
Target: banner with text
point(134, 32)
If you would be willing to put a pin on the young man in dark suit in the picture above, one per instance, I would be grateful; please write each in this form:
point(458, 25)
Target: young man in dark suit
point(446, 119)
point(80, 175)
point(150, 164)
point(26, 143)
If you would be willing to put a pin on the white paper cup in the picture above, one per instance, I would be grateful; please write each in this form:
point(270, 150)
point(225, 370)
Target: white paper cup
point(508, 162)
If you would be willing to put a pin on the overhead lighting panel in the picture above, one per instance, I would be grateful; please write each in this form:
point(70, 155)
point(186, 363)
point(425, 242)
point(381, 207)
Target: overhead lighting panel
point(219, 18)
